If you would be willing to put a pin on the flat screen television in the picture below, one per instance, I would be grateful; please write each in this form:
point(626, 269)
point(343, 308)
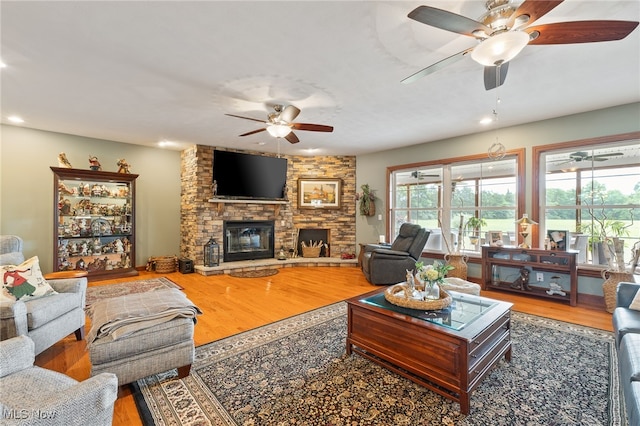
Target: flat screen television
point(240, 175)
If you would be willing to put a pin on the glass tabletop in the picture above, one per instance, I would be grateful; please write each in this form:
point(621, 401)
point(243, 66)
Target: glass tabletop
point(464, 309)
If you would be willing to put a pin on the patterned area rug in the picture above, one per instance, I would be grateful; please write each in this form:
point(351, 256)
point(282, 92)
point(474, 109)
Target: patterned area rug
point(258, 273)
point(296, 371)
point(140, 286)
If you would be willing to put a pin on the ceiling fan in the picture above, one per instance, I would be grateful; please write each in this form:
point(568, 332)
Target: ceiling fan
point(505, 29)
point(580, 156)
point(280, 124)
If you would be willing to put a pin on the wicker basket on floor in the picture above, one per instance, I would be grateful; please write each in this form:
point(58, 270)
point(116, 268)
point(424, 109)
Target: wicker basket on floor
point(311, 251)
point(164, 264)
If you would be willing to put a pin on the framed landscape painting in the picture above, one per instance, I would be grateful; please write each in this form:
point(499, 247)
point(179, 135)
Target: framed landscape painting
point(319, 193)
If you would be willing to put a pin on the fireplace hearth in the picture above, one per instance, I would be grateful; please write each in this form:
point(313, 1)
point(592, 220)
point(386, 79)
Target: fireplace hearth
point(248, 240)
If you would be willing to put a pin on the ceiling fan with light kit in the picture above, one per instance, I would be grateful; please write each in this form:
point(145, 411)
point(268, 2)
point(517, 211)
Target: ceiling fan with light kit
point(580, 156)
point(279, 124)
point(505, 29)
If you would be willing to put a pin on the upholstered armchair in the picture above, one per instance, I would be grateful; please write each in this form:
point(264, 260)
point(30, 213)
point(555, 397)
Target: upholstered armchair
point(37, 396)
point(384, 265)
point(47, 319)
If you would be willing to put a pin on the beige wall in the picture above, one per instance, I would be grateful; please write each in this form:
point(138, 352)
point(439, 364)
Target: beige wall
point(26, 188)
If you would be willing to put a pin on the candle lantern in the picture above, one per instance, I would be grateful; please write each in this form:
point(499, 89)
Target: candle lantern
point(211, 253)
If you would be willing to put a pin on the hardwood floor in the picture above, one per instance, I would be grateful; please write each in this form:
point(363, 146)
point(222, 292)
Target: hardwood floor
point(232, 305)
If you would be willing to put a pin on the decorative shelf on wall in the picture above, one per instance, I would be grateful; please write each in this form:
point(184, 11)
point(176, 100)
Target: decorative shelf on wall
point(222, 201)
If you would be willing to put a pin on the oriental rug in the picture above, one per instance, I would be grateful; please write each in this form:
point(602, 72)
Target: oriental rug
point(296, 372)
point(95, 293)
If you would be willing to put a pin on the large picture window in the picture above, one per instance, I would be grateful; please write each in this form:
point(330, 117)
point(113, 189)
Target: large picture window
point(443, 196)
point(591, 190)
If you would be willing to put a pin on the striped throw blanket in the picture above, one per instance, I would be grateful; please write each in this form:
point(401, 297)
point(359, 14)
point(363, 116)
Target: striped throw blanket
point(120, 316)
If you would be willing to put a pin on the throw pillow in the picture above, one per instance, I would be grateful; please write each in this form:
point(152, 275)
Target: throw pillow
point(635, 303)
point(24, 281)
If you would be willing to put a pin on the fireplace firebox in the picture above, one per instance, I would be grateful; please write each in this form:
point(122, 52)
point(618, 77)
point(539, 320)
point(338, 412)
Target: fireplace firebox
point(248, 240)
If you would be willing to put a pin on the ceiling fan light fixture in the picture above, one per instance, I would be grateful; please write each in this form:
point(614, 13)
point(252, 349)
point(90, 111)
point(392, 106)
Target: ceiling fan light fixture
point(500, 48)
point(278, 130)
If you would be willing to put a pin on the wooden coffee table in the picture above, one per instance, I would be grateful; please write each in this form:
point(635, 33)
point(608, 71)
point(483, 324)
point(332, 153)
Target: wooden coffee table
point(448, 352)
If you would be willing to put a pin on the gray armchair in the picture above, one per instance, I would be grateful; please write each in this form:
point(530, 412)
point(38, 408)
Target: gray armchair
point(48, 319)
point(384, 265)
point(37, 396)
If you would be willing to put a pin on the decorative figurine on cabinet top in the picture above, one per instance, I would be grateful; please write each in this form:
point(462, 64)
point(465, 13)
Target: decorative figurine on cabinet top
point(63, 162)
point(123, 166)
point(94, 164)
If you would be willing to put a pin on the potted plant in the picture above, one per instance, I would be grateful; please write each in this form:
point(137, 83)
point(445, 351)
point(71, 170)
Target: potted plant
point(367, 198)
point(473, 226)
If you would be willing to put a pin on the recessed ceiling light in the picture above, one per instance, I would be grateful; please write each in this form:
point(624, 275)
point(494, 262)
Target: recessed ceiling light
point(2, 64)
point(166, 143)
point(15, 119)
point(261, 143)
point(486, 120)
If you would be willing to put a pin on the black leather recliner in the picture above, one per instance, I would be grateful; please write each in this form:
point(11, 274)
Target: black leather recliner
point(384, 265)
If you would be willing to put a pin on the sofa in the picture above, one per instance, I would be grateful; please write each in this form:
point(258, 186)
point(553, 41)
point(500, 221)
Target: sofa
point(31, 395)
point(626, 325)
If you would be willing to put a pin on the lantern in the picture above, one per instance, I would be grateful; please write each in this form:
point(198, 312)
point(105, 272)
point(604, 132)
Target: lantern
point(211, 253)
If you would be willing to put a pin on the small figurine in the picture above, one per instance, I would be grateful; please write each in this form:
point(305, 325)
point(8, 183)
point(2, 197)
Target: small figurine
point(94, 164)
point(123, 166)
point(214, 188)
point(522, 282)
point(63, 162)
point(554, 288)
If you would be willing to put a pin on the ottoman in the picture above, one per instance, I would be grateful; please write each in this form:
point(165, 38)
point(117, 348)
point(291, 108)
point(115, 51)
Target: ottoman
point(461, 286)
point(146, 352)
point(138, 335)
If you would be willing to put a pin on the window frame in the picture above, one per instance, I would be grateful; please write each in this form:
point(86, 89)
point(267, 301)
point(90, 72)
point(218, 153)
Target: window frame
point(539, 170)
point(519, 155)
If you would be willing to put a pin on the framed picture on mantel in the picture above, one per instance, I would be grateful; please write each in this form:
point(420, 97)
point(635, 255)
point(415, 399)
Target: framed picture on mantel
point(319, 193)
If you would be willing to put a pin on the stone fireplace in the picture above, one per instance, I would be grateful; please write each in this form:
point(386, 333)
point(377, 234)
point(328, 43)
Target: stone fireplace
point(248, 240)
point(203, 217)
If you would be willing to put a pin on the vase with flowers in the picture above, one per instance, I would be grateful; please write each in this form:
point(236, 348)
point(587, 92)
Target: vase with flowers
point(432, 276)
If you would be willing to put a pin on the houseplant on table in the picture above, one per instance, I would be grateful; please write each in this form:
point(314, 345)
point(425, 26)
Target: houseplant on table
point(473, 226)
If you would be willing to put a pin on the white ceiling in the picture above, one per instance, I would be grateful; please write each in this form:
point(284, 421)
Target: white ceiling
point(141, 72)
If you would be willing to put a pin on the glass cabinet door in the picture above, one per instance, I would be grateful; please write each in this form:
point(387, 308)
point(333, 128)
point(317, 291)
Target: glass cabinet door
point(95, 222)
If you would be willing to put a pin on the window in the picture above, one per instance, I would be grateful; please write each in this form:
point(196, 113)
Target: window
point(444, 195)
point(591, 190)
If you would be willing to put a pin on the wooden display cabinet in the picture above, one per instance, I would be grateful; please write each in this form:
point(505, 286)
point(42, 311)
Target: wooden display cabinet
point(509, 260)
point(94, 222)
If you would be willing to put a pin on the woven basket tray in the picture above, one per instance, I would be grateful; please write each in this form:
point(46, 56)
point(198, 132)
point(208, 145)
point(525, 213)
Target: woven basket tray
point(311, 251)
point(165, 264)
point(396, 295)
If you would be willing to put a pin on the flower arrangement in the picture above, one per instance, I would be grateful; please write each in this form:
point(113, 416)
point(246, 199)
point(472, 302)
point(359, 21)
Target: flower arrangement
point(432, 274)
point(367, 200)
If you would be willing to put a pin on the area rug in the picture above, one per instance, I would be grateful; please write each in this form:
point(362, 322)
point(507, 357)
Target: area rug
point(296, 372)
point(258, 273)
point(95, 293)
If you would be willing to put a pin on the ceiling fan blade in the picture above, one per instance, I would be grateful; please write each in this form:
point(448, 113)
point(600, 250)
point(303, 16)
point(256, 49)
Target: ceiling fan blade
point(534, 9)
point(448, 21)
point(291, 137)
point(289, 114)
point(437, 66)
point(580, 32)
point(491, 76)
point(603, 157)
point(246, 118)
point(253, 132)
point(312, 127)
